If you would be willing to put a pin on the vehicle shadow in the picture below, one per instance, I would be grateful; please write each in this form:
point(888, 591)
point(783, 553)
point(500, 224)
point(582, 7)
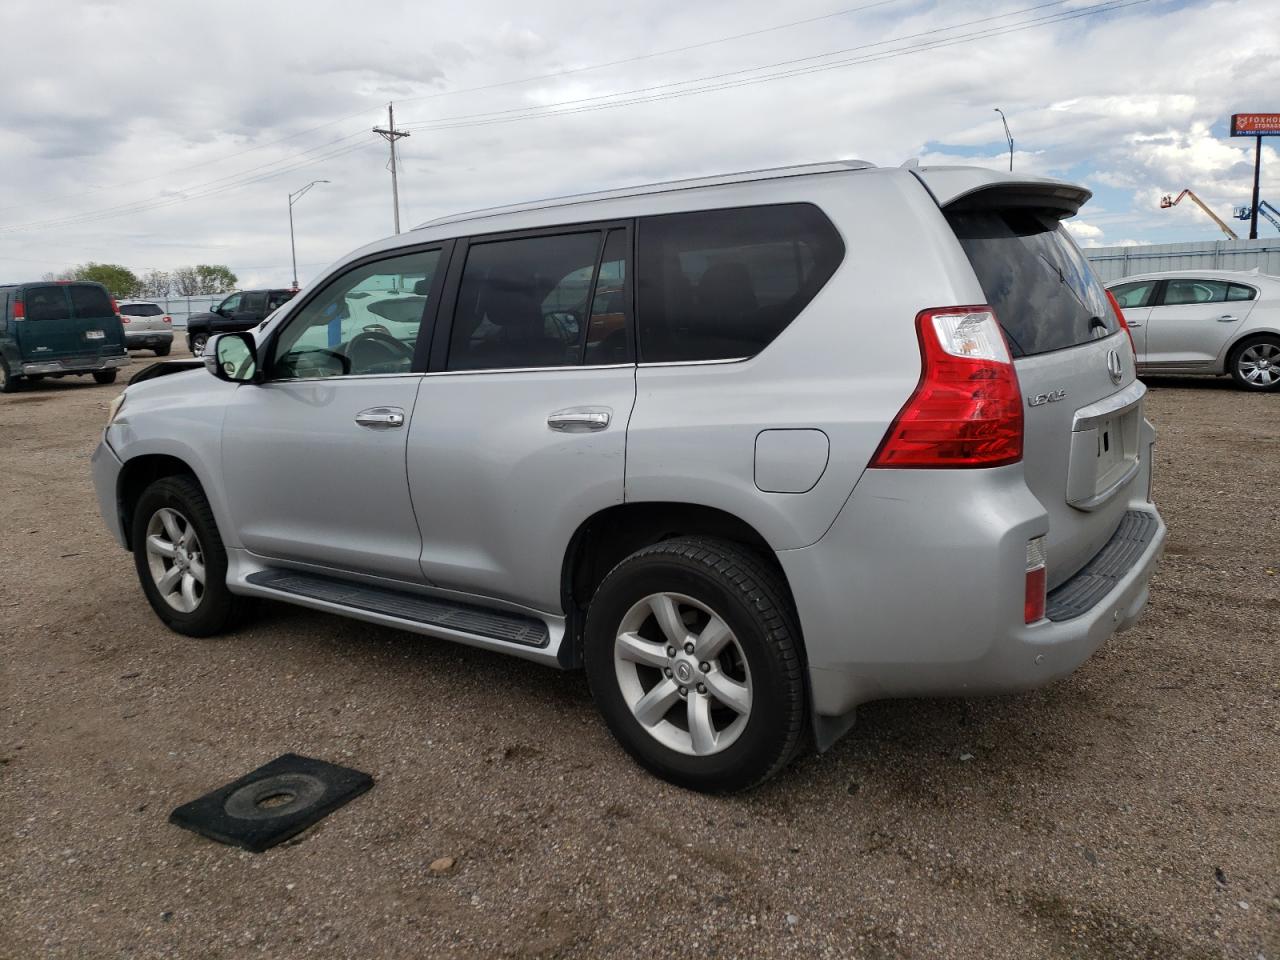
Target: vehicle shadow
point(1165, 381)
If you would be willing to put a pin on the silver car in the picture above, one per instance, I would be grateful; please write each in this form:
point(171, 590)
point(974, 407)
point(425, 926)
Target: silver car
point(752, 450)
point(1205, 321)
point(146, 326)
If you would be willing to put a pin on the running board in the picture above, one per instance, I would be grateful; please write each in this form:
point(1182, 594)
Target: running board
point(428, 611)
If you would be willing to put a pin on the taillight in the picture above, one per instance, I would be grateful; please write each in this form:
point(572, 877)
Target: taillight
point(967, 409)
point(1115, 305)
point(168, 319)
point(1033, 605)
point(124, 318)
point(19, 310)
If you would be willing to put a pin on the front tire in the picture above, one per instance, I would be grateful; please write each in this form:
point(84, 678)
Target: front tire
point(8, 382)
point(180, 559)
point(1255, 364)
point(104, 376)
point(692, 655)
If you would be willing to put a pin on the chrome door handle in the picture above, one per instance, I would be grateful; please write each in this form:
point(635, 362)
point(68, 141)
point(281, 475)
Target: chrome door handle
point(580, 419)
point(1134, 326)
point(381, 418)
point(1226, 318)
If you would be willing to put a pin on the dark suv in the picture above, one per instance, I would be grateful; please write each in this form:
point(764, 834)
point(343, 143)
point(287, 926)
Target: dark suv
point(56, 329)
point(241, 310)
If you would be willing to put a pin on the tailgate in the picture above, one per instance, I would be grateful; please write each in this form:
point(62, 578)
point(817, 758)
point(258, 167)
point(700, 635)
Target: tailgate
point(1082, 404)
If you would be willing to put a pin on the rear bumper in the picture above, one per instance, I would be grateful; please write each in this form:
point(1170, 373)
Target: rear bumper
point(106, 466)
point(917, 590)
point(77, 365)
point(148, 338)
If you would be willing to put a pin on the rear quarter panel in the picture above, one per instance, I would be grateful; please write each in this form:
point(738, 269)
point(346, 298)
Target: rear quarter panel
point(845, 366)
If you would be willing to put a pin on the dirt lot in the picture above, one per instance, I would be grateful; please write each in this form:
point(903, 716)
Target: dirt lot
point(1130, 811)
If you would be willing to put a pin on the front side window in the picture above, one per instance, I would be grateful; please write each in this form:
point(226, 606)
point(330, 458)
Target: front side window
point(229, 305)
point(365, 321)
point(524, 302)
point(46, 303)
point(1133, 294)
point(722, 284)
point(1182, 292)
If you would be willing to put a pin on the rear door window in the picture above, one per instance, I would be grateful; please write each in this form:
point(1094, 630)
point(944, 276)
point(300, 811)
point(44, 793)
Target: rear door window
point(722, 284)
point(1238, 291)
point(254, 303)
point(46, 303)
point(90, 301)
point(1182, 292)
point(1040, 286)
point(524, 302)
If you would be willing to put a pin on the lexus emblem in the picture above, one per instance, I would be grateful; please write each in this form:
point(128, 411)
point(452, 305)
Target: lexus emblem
point(1113, 366)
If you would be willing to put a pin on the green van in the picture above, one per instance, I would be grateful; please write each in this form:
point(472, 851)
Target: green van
point(58, 329)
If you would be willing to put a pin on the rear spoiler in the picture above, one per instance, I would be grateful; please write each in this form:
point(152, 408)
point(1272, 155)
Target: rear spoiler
point(974, 188)
point(163, 369)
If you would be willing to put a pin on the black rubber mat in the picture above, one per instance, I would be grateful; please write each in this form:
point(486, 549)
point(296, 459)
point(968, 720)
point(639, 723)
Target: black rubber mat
point(275, 802)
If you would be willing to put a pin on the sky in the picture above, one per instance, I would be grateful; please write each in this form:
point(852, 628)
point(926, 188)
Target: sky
point(158, 134)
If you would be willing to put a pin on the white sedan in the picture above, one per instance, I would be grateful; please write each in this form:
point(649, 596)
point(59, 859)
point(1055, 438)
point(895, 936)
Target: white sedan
point(1205, 321)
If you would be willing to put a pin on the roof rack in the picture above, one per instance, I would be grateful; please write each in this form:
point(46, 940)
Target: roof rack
point(770, 173)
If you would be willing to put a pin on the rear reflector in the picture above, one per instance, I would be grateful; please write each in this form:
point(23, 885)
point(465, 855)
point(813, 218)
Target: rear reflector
point(1033, 602)
point(19, 310)
point(967, 409)
point(1115, 305)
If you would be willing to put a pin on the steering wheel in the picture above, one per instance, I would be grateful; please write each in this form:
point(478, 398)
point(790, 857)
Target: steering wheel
point(370, 350)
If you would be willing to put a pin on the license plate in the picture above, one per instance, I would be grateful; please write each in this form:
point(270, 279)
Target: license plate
point(94, 335)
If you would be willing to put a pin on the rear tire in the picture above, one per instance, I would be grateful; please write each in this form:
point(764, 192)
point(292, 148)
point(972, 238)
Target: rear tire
point(1254, 364)
point(104, 376)
point(8, 382)
point(175, 536)
point(726, 710)
point(197, 344)
point(163, 351)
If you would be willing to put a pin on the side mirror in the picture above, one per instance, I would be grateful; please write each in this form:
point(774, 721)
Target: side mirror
point(231, 357)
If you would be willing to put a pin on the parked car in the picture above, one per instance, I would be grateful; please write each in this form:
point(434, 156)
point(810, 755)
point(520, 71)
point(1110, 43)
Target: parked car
point(58, 329)
point(1205, 321)
point(753, 449)
point(146, 327)
point(242, 310)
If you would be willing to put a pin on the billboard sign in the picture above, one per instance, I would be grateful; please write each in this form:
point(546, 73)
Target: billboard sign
point(1255, 124)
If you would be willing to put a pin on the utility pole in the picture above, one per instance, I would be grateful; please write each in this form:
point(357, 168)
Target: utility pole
point(1257, 172)
point(293, 251)
point(1008, 136)
point(391, 135)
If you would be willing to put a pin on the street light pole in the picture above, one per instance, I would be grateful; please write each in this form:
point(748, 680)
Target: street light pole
point(1008, 136)
point(293, 252)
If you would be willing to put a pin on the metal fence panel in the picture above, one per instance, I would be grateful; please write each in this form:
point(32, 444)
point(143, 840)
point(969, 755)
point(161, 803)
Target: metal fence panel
point(180, 308)
point(1112, 263)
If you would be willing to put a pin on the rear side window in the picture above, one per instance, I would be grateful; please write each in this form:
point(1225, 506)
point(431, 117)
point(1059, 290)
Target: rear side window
point(1238, 291)
point(89, 301)
point(46, 303)
point(254, 303)
point(722, 284)
point(1181, 292)
point(141, 310)
point(1042, 289)
point(524, 302)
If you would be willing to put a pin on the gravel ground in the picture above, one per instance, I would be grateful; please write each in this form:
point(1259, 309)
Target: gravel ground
point(1132, 810)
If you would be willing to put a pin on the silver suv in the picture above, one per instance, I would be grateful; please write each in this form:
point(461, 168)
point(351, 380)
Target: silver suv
point(752, 449)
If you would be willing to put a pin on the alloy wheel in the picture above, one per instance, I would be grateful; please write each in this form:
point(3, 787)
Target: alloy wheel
point(175, 559)
point(683, 674)
point(1259, 364)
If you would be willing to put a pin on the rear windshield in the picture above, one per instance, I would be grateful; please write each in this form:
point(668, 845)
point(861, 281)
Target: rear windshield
point(46, 303)
point(1041, 287)
point(89, 300)
point(141, 310)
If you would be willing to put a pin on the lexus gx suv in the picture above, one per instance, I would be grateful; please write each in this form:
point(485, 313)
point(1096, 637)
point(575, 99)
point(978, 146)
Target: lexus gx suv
point(752, 450)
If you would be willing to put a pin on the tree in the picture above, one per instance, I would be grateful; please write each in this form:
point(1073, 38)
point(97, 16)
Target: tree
point(214, 278)
point(120, 281)
point(185, 282)
point(156, 284)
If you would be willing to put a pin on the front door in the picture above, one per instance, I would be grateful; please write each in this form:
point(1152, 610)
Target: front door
point(1135, 300)
point(313, 457)
point(1193, 320)
point(519, 433)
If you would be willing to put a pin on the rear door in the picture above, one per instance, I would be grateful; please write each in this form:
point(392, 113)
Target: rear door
point(94, 314)
point(69, 322)
point(520, 427)
point(1193, 319)
point(1082, 403)
point(1135, 298)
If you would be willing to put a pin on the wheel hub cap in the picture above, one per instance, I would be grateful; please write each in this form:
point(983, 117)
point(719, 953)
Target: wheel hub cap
point(175, 559)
